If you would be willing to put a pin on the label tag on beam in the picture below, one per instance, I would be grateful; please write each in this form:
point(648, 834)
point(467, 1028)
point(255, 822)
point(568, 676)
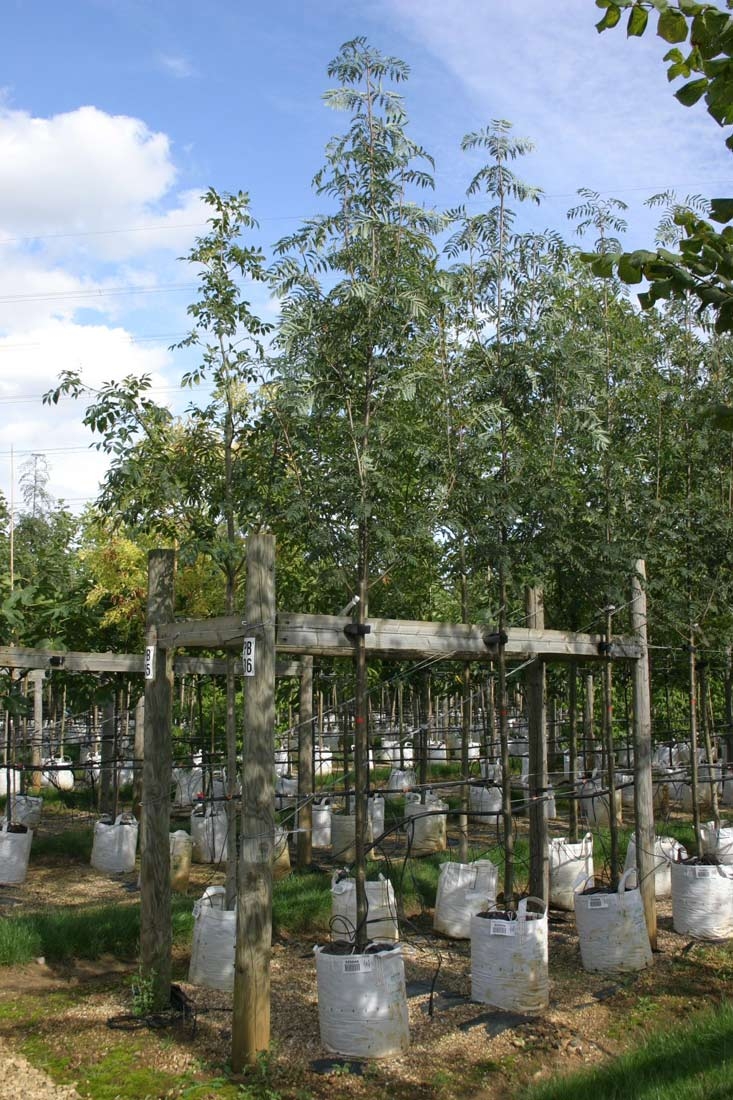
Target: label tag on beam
point(248, 657)
point(150, 662)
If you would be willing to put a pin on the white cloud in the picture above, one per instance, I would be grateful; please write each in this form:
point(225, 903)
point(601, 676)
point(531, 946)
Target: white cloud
point(176, 65)
point(86, 181)
point(30, 362)
point(598, 107)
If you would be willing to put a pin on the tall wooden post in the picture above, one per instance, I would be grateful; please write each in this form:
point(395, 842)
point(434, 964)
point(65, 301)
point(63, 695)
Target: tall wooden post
point(251, 1019)
point(37, 742)
point(573, 746)
point(138, 755)
point(539, 860)
point(643, 788)
point(305, 764)
point(155, 882)
point(108, 763)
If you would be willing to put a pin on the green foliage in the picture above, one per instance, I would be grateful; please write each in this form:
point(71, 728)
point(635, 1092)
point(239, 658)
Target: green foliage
point(703, 267)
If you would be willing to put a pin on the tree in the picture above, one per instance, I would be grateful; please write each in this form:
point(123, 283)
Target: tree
point(703, 267)
point(355, 284)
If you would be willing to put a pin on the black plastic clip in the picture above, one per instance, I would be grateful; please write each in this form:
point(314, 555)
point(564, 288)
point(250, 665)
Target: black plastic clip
point(605, 648)
point(357, 630)
point(499, 638)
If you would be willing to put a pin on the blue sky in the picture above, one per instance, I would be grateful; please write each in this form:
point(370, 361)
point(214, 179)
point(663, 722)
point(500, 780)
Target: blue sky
point(115, 115)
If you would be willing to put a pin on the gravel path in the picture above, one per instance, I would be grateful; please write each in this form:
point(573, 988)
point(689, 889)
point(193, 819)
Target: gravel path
point(20, 1081)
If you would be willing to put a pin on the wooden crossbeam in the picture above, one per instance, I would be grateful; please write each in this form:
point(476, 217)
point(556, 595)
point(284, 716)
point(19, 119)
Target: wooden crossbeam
point(46, 659)
point(323, 636)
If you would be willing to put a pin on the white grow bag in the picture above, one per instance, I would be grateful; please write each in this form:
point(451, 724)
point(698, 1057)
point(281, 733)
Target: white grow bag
point(213, 944)
point(571, 865)
point(14, 782)
point(381, 910)
point(426, 825)
point(114, 845)
point(15, 850)
point(612, 929)
point(362, 1003)
point(401, 780)
point(464, 889)
point(26, 809)
point(702, 901)
point(509, 959)
point(209, 831)
point(59, 773)
point(181, 850)
point(343, 834)
point(484, 801)
point(716, 842)
point(321, 827)
point(594, 806)
point(667, 850)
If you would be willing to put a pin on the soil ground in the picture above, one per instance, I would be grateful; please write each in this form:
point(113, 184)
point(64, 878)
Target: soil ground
point(60, 1016)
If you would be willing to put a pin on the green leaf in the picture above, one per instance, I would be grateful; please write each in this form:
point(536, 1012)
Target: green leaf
point(690, 93)
point(610, 19)
point(672, 26)
point(603, 266)
point(721, 210)
point(721, 417)
point(638, 19)
point(689, 7)
point(629, 270)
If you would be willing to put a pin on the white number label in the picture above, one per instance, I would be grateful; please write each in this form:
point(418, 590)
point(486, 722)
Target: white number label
point(150, 662)
point(248, 657)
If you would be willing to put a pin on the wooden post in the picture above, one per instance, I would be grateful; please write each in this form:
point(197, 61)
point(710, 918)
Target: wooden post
point(138, 753)
point(37, 741)
point(306, 785)
point(155, 882)
point(108, 763)
point(251, 1017)
point(573, 747)
point(465, 738)
point(643, 789)
point(539, 860)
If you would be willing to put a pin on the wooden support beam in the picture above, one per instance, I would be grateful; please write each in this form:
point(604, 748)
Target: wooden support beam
point(251, 1019)
point(48, 659)
point(323, 635)
point(155, 883)
point(539, 859)
point(643, 788)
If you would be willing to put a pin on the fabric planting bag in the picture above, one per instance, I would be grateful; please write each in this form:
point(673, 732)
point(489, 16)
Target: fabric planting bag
point(717, 842)
point(702, 900)
point(362, 1002)
point(612, 929)
point(26, 809)
point(464, 889)
point(667, 850)
point(509, 959)
point(15, 850)
point(214, 940)
point(114, 845)
point(426, 825)
point(571, 865)
point(381, 909)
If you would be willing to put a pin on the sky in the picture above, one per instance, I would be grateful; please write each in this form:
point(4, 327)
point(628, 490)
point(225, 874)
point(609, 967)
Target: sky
point(116, 115)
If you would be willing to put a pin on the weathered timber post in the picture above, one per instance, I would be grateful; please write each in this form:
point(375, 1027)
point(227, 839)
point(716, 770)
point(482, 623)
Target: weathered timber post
point(37, 741)
point(465, 738)
point(305, 764)
point(155, 882)
point(251, 1018)
point(539, 862)
point(138, 753)
point(108, 763)
point(573, 746)
point(643, 789)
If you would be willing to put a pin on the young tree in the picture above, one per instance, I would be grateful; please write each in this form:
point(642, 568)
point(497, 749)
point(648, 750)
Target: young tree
point(354, 284)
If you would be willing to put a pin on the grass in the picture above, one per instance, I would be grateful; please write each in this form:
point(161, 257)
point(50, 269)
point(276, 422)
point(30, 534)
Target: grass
point(82, 933)
point(692, 1061)
point(72, 844)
